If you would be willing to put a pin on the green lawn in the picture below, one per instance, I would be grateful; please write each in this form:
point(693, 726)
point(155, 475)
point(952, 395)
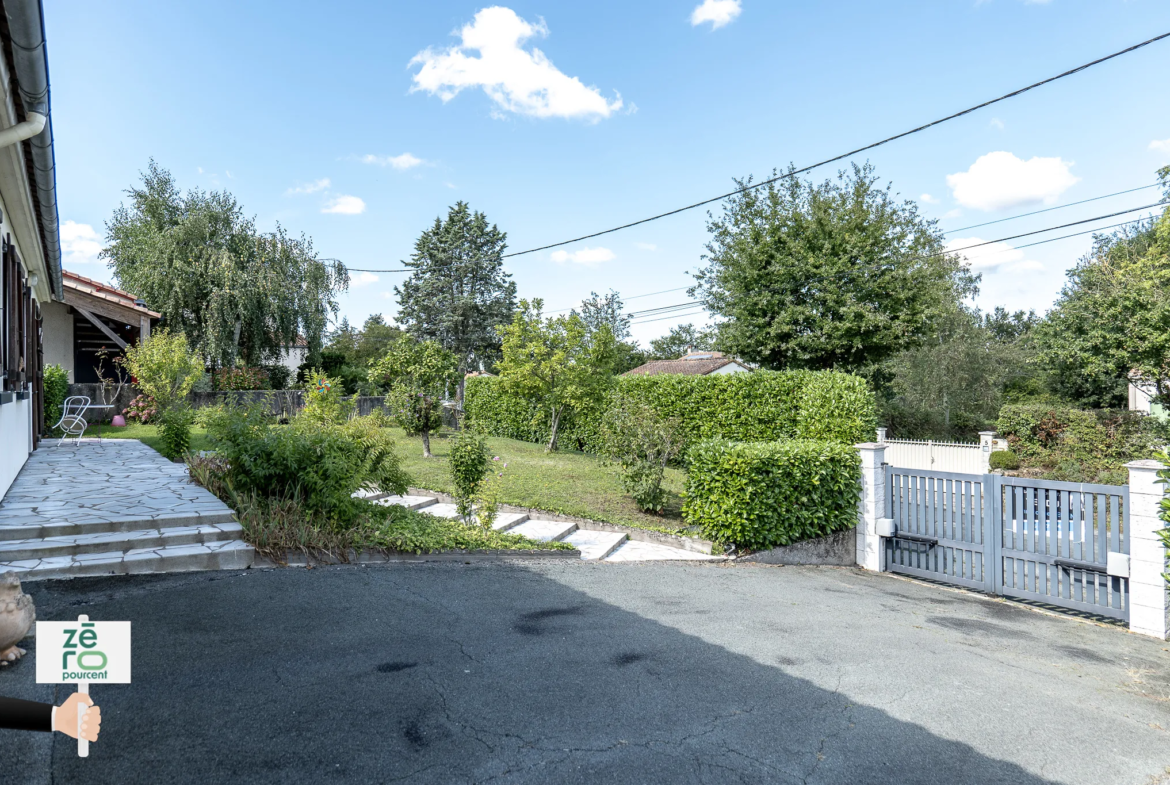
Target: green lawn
point(147, 434)
point(565, 482)
point(569, 483)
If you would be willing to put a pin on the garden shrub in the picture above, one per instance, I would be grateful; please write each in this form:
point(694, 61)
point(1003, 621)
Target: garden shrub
point(324, 403)
point(142, 409)
point(175, 430)
point(469, 464)
point(240, 378)
point(759, 495)
point(640, 442)
point(56, 387)
point(1163, 457)
point(757, 406)
point(164, 367)
point(320, 464)
point(278, 376)
point(1079, 445)
point(1004, 459)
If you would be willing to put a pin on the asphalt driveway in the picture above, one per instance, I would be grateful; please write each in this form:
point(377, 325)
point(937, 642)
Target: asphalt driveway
point(567, 672)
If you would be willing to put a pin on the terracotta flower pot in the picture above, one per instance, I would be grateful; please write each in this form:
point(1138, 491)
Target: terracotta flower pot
point(119, 421)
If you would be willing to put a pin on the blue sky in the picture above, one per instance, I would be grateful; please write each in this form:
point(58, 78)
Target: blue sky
point(358, 123)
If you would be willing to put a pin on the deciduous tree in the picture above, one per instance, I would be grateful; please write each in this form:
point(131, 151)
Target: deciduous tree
point(555, 362)
point(417, 375)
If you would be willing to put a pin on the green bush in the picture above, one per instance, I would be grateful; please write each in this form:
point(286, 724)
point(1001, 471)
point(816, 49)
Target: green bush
point(1163, 456)
point(758, 406)
point(278, 376)
point(319, 464)
point(641, 443)
point(324, 403)
point(469, 464)
point(759, 495)
point(56, 387)
point(175, 430)
point(1004, 459)
point(1079, 445)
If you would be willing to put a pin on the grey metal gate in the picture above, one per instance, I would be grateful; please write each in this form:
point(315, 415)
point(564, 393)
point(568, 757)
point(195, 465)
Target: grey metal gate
point(1033, 539)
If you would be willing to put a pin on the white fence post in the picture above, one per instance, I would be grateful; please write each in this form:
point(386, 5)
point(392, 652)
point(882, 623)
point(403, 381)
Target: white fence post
point(1149, 601)
point(871, 505)
point(986, 445)
point(881, 435)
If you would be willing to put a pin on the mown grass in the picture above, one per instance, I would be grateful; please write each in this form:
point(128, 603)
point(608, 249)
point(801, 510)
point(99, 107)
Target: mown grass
point(564, 482)
point(147, 434)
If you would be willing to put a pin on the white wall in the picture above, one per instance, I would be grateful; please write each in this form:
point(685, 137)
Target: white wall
point(1139, 397)
point(729, 368)
point(292, 358)
point(15, 439)
point(58, 336)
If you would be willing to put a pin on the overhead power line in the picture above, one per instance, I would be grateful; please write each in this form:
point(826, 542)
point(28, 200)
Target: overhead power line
point(849, 154)
point(1050, 209)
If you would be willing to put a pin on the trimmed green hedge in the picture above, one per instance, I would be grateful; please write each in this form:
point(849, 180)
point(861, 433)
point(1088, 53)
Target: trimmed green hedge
point(1080, 445)
point(758, 406)
point(760, 495)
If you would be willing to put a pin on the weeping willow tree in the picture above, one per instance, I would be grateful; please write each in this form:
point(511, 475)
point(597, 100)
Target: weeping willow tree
point(236, 293)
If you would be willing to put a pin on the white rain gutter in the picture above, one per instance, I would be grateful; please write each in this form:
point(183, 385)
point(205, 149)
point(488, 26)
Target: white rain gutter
point(26, 130)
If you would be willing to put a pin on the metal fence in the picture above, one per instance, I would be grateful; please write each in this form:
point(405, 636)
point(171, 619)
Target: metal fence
point(1032, 539)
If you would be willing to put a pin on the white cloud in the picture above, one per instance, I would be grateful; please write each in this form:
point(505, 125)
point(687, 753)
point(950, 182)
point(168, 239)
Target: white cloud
point(1161, 145)
point(345, 205)
point(452, 186)
point(400, 162)
point(309, 188)
point(999, 180)
point(362, 279)
point(929, 199)
point(646, 246)
point(79, 243)
point(952, 213)
point(519, 80)
point(717, 12)
point(583, 256)
point(993, 256)
point(996, 123)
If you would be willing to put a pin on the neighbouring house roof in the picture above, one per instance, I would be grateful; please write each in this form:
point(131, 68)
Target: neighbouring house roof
point(692, 364)
point(105, 299)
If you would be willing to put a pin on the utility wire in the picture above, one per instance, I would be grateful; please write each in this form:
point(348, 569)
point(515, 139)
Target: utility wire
point(1050, 209)
point(849, 154)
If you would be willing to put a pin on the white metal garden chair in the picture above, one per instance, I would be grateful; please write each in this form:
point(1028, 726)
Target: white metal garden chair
point(72, 422)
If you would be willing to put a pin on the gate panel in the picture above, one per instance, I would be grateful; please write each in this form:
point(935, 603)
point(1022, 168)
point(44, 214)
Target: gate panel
point(1055, 539)
point(941, 527)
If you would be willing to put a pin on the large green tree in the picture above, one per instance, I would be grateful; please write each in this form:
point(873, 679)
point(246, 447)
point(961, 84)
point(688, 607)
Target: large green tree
point(556, 362)
point(234, 292)
point(458, 292)
point(608, 310)
point(837, 275)
point(953, 384)
point(679, 341)
point(1113, 318)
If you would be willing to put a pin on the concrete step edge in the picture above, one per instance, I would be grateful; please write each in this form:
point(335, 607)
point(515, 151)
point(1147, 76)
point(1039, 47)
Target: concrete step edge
point(49, 547)
point(235, 555)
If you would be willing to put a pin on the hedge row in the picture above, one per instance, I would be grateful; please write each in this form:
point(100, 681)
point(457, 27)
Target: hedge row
point(1080, 445)
point(758, 406)
point(766, 494)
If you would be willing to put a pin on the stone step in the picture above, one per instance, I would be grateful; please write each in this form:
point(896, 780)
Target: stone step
point(32, 527)
point(409, 502)
point(635, 550)
point(440, 510)
point(106, 542)
point(221, 555)
point(544, 531)
point(594, 545)
point(506, 521)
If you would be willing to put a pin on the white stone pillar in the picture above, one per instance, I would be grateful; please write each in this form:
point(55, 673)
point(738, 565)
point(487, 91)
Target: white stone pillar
point(986, 445)
point(881, 435)
point(1149, 600)
point(871, 505)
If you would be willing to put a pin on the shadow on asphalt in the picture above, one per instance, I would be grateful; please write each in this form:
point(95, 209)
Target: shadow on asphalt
point(452, 673)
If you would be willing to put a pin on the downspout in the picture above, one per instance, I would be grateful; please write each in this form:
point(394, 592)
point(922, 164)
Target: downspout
point(26, 27)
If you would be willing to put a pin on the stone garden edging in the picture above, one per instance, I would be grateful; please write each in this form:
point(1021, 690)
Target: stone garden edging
point(299, 559)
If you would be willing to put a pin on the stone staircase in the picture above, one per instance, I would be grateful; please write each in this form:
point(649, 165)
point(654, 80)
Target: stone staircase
point(113, 508)
point(594, 545)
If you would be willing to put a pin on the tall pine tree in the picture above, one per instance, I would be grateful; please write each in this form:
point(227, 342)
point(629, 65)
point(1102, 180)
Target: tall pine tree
point(459, 293)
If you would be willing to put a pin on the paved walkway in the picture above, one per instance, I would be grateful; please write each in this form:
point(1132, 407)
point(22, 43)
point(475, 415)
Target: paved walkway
point(112, 507)
point(594, 544)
